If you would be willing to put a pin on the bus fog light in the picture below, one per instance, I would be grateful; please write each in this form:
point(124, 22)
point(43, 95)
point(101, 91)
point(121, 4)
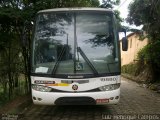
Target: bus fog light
point(109, 87)
point(41, 88)
point(117, 97)
point(39, 99)
point(34, 98)
point(111, 98)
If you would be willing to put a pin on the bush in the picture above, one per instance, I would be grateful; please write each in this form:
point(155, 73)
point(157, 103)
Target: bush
point(148, 64)
point(129, 69)
point(149, 56)
point(3, 99)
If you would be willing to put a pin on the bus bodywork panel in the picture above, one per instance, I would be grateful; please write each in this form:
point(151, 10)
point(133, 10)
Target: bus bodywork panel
point(75, 57)
point(87, 91)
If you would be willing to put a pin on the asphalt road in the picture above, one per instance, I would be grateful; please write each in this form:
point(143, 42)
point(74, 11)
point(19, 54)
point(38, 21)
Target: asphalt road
point(135, 100)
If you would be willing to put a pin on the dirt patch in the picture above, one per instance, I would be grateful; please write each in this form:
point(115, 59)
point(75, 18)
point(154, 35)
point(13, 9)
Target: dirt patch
point(145, 75)
point(16, 105)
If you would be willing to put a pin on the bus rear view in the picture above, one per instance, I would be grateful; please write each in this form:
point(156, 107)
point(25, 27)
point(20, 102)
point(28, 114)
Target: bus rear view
point(75, 57)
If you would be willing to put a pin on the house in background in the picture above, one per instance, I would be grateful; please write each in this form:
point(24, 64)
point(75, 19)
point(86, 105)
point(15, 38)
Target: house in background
point(134, 45)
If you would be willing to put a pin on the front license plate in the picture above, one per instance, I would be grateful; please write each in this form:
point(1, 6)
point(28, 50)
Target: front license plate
point(102, 100)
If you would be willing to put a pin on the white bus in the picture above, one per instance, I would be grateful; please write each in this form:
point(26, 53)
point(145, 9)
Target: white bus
point(75, 57)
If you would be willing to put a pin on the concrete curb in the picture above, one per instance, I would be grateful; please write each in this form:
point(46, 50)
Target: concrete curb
point(133, 78)
point(128, 76)
point(153, 87)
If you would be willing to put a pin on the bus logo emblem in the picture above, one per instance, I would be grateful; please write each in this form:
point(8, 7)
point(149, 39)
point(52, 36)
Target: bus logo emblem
point(75, 87)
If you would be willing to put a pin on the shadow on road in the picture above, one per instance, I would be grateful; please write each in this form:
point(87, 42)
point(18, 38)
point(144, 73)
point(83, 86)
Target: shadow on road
point(68, 112)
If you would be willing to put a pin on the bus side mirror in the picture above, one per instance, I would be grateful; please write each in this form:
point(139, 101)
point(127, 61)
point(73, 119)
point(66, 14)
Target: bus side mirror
point(124, 39)
point(124, 44)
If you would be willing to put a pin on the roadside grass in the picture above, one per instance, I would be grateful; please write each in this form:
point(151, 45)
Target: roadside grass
point(17, 91)
point(129, 69)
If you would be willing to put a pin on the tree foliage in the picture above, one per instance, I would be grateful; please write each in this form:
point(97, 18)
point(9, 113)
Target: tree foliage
point(147, 13)
point(109, 3)
point(15, 20)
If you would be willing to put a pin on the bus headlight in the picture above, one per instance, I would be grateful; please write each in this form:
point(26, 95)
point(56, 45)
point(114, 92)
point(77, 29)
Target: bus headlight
point(41, 88)
point(109, 87)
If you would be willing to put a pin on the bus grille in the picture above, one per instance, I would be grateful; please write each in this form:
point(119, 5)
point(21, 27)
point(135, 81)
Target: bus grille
point(61, 91)
point(75, 101)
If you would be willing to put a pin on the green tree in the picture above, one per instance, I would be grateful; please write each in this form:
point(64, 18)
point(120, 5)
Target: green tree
point(147, 13)
point(109, 3)
point(15, 29)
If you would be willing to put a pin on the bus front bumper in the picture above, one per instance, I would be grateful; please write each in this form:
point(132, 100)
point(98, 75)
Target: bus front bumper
point(89, 98)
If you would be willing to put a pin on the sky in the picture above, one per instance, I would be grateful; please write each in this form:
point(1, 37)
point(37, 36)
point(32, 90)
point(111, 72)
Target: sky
point(123, 8)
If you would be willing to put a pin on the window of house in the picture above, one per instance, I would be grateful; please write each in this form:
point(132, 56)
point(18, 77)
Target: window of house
point(130, 43)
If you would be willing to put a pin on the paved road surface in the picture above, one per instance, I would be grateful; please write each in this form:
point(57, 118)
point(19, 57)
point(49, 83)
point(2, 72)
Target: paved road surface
point(134, 100)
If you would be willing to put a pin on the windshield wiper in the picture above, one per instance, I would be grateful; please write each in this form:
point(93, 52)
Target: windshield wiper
point(58, 61)
point(87, 60)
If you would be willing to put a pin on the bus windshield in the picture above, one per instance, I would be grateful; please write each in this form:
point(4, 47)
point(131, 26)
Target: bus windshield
point(79, 42)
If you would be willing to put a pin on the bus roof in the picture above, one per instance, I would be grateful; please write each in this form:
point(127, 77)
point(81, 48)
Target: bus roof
point(76, 9)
